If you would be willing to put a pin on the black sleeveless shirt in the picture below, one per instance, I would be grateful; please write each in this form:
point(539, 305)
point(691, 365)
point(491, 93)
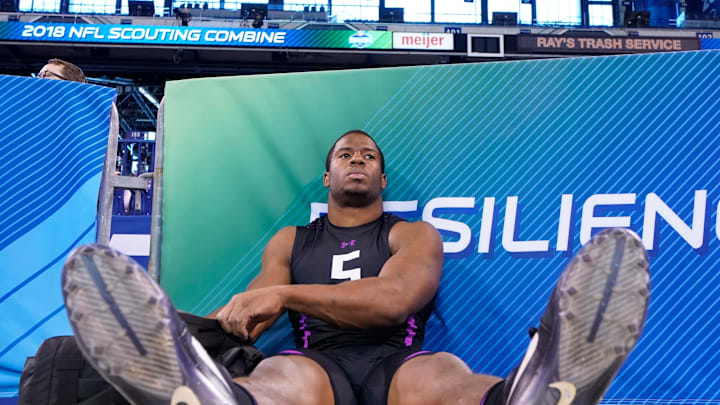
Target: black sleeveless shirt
point(327, 254)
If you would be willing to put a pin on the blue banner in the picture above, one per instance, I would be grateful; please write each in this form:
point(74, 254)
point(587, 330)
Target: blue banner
point(710, 43)
point(204, 36)
point(54, 141)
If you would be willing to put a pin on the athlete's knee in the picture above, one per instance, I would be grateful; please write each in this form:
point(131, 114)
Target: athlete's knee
point(301, 380)
point(447, 361)
point(416, 379)
point(437, 365)
point(438, 378)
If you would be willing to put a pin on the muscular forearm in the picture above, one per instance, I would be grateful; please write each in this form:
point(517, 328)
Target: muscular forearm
point(374, 302)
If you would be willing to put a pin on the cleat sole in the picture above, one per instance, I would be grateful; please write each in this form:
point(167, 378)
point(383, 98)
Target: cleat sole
point(107, 335)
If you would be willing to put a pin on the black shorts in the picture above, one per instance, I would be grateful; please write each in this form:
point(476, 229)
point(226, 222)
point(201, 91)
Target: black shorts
point(360, 375)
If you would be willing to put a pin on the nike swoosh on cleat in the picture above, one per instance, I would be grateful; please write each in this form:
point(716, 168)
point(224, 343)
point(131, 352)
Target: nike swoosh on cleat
point(184, 396)
point(567, 392)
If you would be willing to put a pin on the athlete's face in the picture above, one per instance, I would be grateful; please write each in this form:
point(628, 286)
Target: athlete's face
point(355, 177)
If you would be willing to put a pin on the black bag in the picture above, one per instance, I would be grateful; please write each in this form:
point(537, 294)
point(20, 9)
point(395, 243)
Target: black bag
point(237, 355)
point(58, 374)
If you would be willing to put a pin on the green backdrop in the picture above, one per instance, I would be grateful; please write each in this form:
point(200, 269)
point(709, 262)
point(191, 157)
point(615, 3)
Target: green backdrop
point(245, 138)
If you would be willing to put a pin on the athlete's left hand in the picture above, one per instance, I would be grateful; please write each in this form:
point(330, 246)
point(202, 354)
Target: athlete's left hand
point(246, 310)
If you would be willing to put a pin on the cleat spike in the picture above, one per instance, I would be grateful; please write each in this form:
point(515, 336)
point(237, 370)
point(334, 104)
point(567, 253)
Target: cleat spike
point(70, 286)
point(586, 258)
point(104, 366)
point(77, 316)
point(117, 369)
point(630, 342)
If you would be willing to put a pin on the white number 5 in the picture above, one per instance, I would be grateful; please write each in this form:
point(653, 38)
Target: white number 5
point(338, 263)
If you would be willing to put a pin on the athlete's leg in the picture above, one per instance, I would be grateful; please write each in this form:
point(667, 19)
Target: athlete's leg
point(130, 332)
point(289, 380)
point(593, 320)
point(128, 329)
point(438, 379)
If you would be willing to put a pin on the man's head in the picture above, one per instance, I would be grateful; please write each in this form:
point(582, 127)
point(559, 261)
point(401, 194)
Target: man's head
point(355, 170)
point(59, 69)
point(354, 131)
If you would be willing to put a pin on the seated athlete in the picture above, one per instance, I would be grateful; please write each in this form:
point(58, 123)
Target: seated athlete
point(359, 286)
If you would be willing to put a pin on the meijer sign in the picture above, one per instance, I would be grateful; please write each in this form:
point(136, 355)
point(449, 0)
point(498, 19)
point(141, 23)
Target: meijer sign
point(409, 40)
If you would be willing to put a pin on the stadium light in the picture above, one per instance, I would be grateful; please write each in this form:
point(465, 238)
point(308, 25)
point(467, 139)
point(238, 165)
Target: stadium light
point(149, 96)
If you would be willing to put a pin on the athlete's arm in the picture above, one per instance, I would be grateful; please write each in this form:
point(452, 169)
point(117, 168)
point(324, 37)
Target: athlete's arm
point(274, 271)
point(406, 283)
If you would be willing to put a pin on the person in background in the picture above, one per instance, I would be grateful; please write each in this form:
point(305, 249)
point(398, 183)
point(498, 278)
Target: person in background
point(58, 69)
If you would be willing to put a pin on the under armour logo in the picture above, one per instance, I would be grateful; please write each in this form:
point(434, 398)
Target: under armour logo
point(410, 331)
point(344, 244)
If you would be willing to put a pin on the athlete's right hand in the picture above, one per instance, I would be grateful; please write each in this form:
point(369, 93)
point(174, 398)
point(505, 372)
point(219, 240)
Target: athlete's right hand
point(246, 310)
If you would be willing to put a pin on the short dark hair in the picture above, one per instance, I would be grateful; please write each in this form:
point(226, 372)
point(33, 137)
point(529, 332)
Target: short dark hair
point(354, 131)
point(71, 71)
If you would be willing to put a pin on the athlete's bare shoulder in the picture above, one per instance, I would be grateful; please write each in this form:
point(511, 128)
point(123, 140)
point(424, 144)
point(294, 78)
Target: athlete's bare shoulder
point(418, 234)
point(280, 245)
